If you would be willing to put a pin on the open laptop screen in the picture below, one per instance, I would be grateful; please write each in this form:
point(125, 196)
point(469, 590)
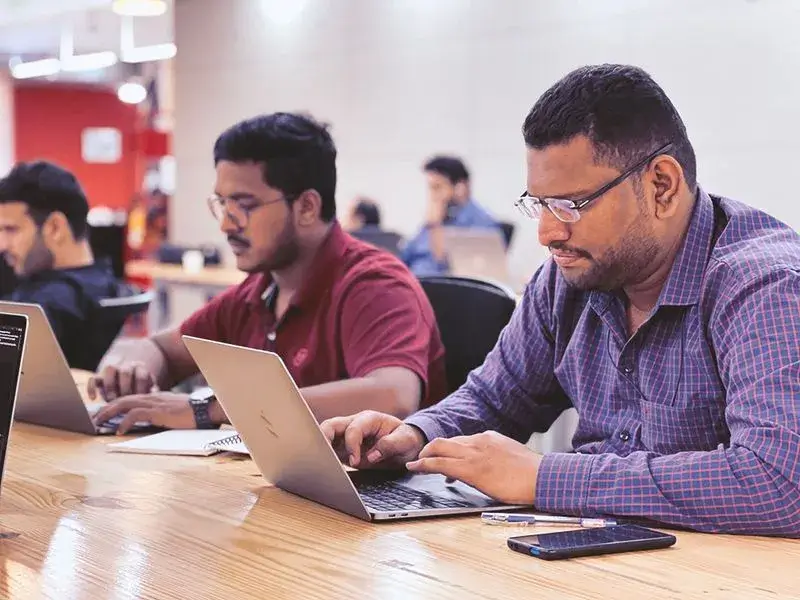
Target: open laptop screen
point(12, 343)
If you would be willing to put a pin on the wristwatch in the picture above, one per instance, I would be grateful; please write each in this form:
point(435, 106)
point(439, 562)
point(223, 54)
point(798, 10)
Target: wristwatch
point(199, 400)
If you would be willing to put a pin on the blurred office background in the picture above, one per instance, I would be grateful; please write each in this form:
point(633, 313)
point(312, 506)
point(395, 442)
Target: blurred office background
point(130, 95)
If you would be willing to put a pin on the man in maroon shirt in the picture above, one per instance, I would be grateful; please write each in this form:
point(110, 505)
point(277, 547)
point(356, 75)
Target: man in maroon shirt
point(351, 322)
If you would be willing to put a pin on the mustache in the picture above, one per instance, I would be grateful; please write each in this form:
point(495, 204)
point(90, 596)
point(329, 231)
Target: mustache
point(238, 240)
point(565, 248)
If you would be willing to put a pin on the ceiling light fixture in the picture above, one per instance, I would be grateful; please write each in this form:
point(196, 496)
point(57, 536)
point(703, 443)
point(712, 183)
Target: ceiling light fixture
point(35, 68)
point(131, 93)
point(139, 8)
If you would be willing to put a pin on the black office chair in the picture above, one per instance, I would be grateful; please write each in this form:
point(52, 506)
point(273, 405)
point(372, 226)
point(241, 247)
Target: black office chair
point(122, 307)
point(387, 240)
point(470, 314)
point(109, 317)
point(508, 232)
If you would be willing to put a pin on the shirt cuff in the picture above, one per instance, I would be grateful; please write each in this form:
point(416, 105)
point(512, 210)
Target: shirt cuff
point(563, 482)
point(429, 427)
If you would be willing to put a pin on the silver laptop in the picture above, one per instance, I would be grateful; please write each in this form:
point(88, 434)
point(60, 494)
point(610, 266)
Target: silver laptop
point(13, 335)
point(49, 395)
point(267, 409)
point(477, 252)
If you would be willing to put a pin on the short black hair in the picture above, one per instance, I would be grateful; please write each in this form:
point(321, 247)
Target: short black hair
point(297, 154)
point(368, 211)
point(47, 188)
point(620, 108)
point(450, 167)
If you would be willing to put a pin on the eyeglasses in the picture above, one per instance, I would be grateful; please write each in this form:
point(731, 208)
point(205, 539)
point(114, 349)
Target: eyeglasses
point(568, 210)
point(238, 209)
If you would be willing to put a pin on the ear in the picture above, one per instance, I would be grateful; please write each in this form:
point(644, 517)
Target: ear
point(308, 208)
point(55, 229)
point(665, 176)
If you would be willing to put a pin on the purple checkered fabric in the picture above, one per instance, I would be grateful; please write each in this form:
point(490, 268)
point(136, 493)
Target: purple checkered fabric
point(695, 420)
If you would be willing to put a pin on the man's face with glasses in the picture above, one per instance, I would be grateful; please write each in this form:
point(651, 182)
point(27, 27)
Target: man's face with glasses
point(594, 219)
point(256, 218)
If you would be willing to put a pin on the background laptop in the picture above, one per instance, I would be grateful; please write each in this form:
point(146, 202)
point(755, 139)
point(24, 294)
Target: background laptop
point(49, 395)
point(13, 333)
point(477, 252)
point(264, 405)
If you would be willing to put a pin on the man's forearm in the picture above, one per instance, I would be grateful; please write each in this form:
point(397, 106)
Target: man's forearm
point(730, 490)
point(436, 241)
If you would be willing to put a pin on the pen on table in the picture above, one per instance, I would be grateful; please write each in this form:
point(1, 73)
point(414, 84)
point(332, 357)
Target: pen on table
point(530, 519)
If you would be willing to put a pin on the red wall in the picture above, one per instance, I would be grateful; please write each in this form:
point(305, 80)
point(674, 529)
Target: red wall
point(48, 121)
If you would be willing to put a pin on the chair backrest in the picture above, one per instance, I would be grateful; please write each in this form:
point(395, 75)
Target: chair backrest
point(387, 240)
point(508, 232)
point(122, 307)
point(470, 314)
point(110, 315)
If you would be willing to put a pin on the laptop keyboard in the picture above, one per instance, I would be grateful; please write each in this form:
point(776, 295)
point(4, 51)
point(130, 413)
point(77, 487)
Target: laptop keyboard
point(389, 495)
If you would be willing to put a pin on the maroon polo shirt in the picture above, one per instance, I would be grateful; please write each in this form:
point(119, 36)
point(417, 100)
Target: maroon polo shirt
point(359, 309)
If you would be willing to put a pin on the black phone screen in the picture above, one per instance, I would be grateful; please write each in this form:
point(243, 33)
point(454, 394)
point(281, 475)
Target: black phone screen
point(591, 540)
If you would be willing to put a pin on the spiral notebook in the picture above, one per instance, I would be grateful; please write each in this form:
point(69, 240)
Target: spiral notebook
point(181, 442)
point(231, 443)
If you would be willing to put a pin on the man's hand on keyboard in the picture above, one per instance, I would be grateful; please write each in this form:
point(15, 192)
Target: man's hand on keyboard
point(492, 463)
point(370, 439)
point(161, 409)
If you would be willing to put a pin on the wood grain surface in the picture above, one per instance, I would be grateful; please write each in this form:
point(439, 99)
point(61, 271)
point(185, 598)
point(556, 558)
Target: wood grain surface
point(79, 522)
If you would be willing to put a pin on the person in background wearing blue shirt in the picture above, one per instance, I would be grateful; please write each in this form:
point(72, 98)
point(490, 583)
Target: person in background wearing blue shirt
point(44, 238)
point(450, 204)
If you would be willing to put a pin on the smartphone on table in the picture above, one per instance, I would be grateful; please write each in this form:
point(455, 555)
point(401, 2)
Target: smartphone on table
point(590, 541)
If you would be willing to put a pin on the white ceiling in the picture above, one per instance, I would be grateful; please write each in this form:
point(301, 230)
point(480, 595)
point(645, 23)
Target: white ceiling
point(33, 27)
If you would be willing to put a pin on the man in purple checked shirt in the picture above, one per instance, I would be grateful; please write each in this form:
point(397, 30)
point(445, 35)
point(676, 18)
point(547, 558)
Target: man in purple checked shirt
point(669, 318)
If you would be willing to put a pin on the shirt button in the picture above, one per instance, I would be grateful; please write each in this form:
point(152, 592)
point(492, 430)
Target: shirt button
point(624, 436)
point(271, 336)
point(627, 370)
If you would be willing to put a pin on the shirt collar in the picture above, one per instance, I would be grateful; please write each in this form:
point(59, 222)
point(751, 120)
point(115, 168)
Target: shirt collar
point(320, 275)
point(685, 282)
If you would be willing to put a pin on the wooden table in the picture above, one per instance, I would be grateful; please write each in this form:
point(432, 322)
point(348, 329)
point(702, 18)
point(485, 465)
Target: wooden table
point(210, 280)
point(207, 277)
point(83, 523)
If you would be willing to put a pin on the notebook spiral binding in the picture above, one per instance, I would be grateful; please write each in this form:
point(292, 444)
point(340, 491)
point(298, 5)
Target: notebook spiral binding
point(228, 441)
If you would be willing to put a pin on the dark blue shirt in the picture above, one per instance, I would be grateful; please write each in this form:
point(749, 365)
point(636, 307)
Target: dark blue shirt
point(69, 298)
point(417, 252)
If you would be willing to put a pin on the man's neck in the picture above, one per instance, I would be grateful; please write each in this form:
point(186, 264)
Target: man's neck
point(74, 256)
point(644, 293)
point(291, 279)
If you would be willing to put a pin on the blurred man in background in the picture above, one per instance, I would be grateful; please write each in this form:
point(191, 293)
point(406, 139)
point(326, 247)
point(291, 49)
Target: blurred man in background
point(44, 238)
point(450, 204)
point(364, 215)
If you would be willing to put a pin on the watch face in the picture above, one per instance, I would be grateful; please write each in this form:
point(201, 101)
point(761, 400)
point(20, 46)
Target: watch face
point(202, 395)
